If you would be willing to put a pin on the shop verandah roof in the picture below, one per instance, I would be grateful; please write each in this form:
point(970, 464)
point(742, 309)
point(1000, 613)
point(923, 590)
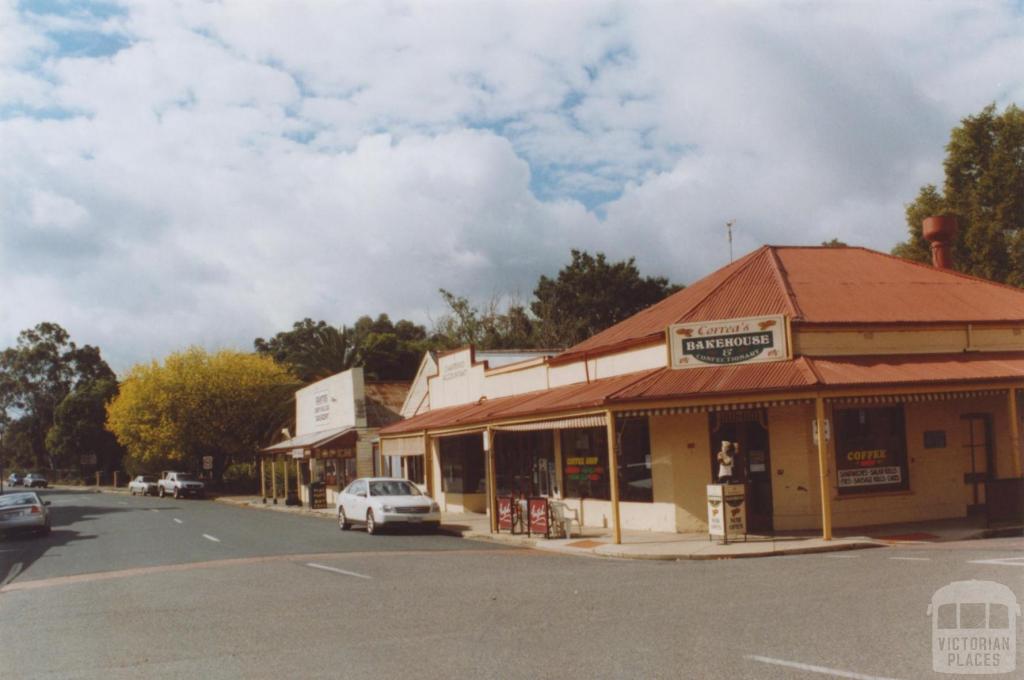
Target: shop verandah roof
point(808, 375)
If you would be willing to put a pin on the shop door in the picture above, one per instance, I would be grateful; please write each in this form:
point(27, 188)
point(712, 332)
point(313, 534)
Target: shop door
point(748, 429)
point(980, 463)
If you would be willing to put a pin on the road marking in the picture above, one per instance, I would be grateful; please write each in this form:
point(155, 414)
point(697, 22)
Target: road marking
point(336, 570)
point(12, 574)
point(912, 559)
point(834, 672)
point(177, 520)
point(34, 584)
point(1001, 561)
point(211, 538)
point(154, 509)
point(843, 557)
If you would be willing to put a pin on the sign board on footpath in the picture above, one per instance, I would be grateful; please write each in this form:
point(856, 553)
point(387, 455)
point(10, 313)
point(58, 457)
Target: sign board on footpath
point(727, 511)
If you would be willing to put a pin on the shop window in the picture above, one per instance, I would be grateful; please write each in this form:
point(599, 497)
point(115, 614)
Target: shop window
point(871, 450)
point(414, 467)
point(524, 463)
point(462, 464)
point(635, 483)
point(585, 463)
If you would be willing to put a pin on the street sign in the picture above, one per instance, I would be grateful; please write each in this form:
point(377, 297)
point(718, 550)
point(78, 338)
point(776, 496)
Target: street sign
point(207, 462)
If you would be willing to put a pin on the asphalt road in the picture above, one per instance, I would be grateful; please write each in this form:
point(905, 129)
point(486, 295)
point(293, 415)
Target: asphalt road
point(144, 587)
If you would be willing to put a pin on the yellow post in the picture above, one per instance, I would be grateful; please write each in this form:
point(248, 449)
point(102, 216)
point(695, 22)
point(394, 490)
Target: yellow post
point(492, 489)
point(263, 478)
point(428, 465)
point(1015, 432)
point(273, 477)
point(284, 473)
point(825, 477)
point(613, 475)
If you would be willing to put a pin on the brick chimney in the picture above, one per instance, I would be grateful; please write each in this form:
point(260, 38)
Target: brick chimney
point(940, 231)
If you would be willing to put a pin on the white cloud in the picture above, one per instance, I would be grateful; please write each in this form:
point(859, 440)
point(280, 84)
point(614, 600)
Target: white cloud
point(239, 165)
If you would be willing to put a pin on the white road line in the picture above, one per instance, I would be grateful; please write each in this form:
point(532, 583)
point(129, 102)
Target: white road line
point(1001, 561)
point(12, 574)
point(843, 557)
point(177, 520)
point(211, 538)
point(912, 559)
point(834, 672)
point(335, 570)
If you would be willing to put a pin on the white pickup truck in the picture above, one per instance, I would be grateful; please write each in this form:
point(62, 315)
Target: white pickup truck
point(180, 484)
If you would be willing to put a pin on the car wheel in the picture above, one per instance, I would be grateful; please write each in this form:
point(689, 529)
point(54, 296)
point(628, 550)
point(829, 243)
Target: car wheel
point(131, 492)
point(343, 522)
point(371, 526)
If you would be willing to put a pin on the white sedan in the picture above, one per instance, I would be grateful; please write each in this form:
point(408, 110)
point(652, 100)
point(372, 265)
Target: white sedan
point(386, 501)
point(143, 484)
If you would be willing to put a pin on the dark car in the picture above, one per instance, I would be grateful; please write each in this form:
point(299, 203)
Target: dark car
point(34, 479)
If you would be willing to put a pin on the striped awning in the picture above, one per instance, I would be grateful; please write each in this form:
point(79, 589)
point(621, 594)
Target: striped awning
point(403, 446)
point(574, 423)
point(923, 396)
point(708, 408)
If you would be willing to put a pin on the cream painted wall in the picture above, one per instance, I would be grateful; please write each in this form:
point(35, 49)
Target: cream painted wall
point(630, 361)
point(511, 382)
point(681, 446)
point(830, 342)
point(937, 489)
point(417, 399)
point(342, 403)
point(796, 499)
point(459, 380)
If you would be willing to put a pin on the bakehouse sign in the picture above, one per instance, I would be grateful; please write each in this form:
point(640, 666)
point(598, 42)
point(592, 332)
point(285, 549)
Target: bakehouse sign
point(729, 341)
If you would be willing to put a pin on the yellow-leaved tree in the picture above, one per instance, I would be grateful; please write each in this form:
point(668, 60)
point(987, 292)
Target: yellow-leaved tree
point(196, 404)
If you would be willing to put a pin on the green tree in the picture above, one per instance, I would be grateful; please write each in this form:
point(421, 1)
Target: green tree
point(834, 243)
point(984, 188)
point(316, 350)
point(79, 428)
point(37, 374)
point(196, 404)
point(487, 328)
point(591, 294)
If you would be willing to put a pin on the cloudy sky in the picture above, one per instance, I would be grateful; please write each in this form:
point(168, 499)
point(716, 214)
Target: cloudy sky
point(196, 172)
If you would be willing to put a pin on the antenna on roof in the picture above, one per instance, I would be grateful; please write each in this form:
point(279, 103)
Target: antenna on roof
point(728, 226)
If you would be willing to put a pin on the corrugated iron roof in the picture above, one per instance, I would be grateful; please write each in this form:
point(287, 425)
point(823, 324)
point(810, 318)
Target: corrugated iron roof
point(803, 374)
point(559, 399)
point(818, 285)
point(919, 368)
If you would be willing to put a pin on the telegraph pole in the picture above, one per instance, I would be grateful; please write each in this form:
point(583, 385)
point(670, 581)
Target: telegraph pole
point(728, 227)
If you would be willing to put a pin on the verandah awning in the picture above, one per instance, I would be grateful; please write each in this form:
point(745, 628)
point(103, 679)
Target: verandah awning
point(403, 446)
point(573, 423)
point(315, 440)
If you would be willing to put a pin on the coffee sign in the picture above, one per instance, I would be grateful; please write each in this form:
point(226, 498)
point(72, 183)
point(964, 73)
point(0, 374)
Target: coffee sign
point(727, 342)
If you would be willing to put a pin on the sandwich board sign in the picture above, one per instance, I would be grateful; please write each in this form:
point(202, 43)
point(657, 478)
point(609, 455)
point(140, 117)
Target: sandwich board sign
point(727, 511)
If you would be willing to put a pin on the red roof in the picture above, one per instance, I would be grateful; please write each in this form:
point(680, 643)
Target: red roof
point(818, 285)
point(803, 374)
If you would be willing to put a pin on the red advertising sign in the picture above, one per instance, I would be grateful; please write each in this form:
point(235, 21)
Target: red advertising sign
point(505, 512)
point(539, 516)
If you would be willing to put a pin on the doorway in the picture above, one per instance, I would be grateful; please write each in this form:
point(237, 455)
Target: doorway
point(748, 429)
point(980, 459)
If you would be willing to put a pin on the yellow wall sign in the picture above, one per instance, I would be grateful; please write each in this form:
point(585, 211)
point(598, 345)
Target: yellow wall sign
point(727, 342)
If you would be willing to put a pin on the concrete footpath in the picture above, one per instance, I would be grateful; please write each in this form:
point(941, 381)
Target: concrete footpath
point(651, 545)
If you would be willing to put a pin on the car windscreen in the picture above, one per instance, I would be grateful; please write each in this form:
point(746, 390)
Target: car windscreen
point(8, 500)
point(148, 480)
point(393, 488)
point(186, 478)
